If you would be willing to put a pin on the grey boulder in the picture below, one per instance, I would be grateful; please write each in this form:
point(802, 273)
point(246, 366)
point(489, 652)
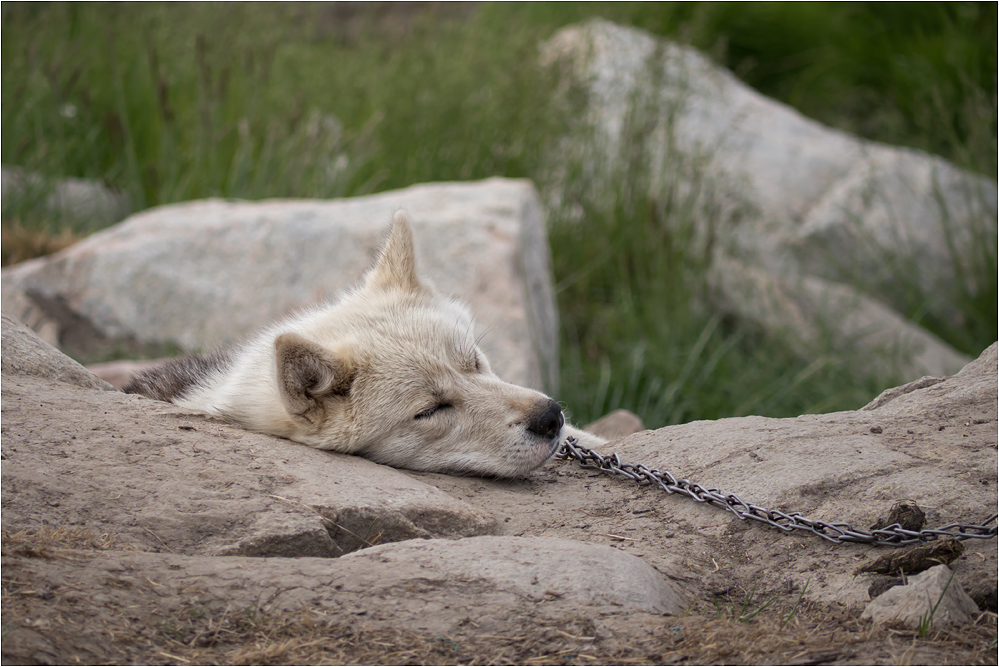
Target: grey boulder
point(201, 274)
point(799, 218)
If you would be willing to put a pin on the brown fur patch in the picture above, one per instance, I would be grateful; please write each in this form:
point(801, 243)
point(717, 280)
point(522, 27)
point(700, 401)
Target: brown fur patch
point(176, 377)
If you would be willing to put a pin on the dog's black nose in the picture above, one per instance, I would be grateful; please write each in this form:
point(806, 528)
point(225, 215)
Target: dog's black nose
point(547, 421)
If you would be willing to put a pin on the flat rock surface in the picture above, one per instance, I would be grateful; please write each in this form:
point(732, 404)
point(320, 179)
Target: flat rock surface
point(934, 445)
point(165, 479)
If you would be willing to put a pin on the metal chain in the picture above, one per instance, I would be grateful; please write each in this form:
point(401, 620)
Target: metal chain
point(840, 533)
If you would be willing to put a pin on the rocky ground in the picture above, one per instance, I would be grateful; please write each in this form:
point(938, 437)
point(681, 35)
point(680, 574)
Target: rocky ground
point(71, 600)
point(136, 532)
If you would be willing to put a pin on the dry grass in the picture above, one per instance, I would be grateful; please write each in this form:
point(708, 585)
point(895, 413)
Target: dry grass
point(256, 638)
point(775, 631)
point(823, 636)
point(820, 636)
point(55, 542)
point(19, 242)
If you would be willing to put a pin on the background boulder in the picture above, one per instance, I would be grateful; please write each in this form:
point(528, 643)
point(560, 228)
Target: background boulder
point(201, 274)
point(816, 216)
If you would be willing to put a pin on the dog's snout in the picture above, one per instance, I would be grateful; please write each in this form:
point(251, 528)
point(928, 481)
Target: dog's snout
point(548, 421)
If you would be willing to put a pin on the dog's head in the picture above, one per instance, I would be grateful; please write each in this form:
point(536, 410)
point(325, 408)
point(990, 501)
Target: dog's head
point(393, 373)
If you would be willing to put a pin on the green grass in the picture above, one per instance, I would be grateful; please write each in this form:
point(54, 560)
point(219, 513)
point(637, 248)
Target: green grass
point(172, 102)
point(636, 330)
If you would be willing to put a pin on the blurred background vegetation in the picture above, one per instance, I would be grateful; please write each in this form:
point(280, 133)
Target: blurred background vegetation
point(172, 102)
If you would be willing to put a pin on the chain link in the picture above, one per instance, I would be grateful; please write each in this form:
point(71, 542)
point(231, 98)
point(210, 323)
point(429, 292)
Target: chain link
point(840, 533)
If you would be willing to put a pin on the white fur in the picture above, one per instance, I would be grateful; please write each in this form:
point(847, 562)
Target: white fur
point(391, 350)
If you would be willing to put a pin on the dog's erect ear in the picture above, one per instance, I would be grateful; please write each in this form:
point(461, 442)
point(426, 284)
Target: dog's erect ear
point(308, 373)
point(396, 265)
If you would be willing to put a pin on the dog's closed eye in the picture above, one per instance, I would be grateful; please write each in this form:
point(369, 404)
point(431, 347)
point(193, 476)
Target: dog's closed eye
point(431, 411)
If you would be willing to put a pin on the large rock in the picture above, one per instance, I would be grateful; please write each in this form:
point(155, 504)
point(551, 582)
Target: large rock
point(184, 499)
point(816, 314)
point(206, 273)
point(24, 353)
point(791, 198)
point(164, 479)
point(427, 589)
point(932, 443)
point(122, 515)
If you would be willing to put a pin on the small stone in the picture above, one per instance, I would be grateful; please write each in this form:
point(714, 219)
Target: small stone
point(932, 599)
point(71, 201)
point(616, 425)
